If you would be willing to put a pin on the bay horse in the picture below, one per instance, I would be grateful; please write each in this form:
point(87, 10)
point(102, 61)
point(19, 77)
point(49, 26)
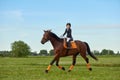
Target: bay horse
point(61, 51)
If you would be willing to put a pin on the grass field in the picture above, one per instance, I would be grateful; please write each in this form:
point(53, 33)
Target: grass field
point(32, 68)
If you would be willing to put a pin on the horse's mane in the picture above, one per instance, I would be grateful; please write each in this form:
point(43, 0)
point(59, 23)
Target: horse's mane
point(55, 36)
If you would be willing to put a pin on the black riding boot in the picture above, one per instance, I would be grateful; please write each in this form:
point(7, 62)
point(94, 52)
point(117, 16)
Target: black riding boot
point(68, 45)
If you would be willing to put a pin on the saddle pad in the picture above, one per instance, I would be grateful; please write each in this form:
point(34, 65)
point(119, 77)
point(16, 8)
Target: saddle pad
point(73, 45)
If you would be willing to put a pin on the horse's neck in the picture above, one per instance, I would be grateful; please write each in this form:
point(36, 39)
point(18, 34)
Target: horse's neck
point(54, 42)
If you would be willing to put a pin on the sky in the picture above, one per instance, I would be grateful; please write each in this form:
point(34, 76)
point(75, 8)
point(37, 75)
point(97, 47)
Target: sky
point(95, 21)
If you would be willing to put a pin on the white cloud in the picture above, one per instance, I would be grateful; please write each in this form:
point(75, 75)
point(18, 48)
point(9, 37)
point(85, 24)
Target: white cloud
point(24, 35)
point(101, 26)
point(7, 28)
point(13, 14)
point(41, 13)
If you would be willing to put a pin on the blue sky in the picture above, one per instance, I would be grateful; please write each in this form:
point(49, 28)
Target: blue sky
point(94, 21)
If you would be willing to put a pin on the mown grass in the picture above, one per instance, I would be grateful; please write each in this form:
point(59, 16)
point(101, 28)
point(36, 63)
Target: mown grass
point(32, 68)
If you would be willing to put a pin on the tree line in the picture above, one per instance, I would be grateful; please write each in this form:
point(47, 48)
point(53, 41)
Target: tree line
point(21, 49)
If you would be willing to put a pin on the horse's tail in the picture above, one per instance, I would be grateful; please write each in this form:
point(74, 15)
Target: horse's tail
point(89, 52)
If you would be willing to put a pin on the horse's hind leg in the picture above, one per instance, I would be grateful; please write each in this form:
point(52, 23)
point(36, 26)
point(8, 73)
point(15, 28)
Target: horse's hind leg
point(88, 64)
point(73, 63)
point(57, 64)
point(87, 61)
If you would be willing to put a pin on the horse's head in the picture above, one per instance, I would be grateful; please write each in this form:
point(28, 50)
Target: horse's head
point(46, 36)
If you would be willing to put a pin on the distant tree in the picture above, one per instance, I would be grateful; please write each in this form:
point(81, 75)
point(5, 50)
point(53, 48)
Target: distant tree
point(43, 52)
point(51, 52)
point(96, 52)
point(20, 49)
point(107, 52)
point(104, 52)
point(5, 53)
point(111, 52)
point(34, 53)
point(118, 53)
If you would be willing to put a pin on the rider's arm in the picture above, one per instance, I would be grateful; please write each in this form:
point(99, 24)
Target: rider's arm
point(65, 32)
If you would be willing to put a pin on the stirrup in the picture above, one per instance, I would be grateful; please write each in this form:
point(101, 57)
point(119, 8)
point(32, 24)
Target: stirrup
point(69, 48)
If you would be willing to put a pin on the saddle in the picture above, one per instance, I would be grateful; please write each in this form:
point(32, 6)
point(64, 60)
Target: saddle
point(73, 44)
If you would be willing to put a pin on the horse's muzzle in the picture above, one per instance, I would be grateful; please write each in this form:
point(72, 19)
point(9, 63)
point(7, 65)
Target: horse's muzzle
point(42, 42)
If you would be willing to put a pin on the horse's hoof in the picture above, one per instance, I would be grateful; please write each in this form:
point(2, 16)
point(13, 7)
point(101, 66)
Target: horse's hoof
point(63, 68)
point(69, 70)
point(90, 69)
point(46, 71)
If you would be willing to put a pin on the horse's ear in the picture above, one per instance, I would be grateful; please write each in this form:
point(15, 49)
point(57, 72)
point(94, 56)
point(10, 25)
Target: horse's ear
point(44, 30)
point(49, 30)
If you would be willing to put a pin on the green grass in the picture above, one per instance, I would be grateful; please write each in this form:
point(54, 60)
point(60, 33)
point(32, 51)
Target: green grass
point(32, 68)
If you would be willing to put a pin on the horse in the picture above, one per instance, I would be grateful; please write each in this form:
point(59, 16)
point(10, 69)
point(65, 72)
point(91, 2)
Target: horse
point(60, 51)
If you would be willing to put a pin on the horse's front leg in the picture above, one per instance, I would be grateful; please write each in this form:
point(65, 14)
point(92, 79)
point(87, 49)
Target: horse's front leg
point(73, 63)
point(57, 64)
point(51, 63)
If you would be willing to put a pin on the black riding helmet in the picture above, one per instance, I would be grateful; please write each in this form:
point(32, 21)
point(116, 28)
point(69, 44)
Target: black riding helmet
point(68, 24)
